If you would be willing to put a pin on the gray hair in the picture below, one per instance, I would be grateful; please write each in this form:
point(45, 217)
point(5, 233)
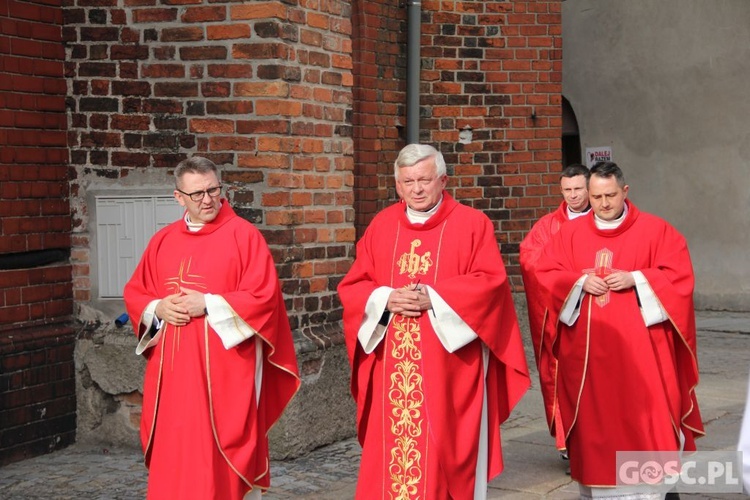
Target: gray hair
point(194, 165)
point(414, 153)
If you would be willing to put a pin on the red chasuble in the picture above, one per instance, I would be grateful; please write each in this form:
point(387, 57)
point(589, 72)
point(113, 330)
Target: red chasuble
point(539, 314)
point(203, 434)
point(623, 386)
point(419, 406)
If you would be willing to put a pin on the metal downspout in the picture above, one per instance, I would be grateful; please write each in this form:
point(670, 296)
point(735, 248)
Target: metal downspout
point(413, 65)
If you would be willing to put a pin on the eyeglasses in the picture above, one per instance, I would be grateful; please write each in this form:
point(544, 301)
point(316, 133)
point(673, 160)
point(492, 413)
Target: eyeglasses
point(198, 195)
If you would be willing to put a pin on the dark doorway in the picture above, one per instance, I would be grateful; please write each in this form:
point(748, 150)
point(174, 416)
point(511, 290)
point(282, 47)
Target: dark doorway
point(571, 139)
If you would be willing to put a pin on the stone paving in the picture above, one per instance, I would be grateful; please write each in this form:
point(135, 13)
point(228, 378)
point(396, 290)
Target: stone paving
point(533, 469)
point(87, 472)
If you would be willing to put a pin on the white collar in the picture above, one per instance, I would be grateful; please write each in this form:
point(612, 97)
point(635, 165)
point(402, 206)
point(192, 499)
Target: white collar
point(574, 215)
point(194, 227)
point(611, 224)
point(417, 217)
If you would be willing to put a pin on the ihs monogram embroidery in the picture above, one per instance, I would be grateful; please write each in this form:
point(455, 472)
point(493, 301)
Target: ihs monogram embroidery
point(412, 263)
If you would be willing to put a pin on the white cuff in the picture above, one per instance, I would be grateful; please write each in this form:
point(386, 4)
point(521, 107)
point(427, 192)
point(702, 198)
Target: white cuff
point(452, 331)
point(371, 332)
point(226, 323)
point(150, 321)
point(651, 310)
point(571, 308)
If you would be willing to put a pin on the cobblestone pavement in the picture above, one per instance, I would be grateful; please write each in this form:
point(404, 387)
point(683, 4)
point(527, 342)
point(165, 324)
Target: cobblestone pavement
point(533, 469)
point(88, 472)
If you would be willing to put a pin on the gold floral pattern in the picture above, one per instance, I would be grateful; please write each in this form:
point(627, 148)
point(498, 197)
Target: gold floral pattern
point(406, 399)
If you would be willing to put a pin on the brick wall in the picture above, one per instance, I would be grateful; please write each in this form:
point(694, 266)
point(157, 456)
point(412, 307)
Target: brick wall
point(262, 88)
point(37, 390)
point(495, 68)
point(379, 109)
point(492, 69)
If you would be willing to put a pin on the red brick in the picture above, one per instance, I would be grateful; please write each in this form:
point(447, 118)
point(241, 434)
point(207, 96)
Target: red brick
point(278, 107)
point(217, 89)
point(229, 107)
point(14, 314)
point(200, 125)
point(176, 89)
point(182, 34)
point(277, 161)
point(233, 143)
point(127, 52)
point(204, 14)
point(228, 32)
point(284, 217)
point(230, 70)
point(276, 199)
point(318, 21)
point(130, 122)
point(262, 127)
point(163, 71)
point(203, 53)
point(260, 51)
point(154, 15)
point(259, 10)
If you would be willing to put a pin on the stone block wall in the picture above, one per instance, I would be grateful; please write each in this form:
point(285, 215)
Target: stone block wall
point(37, 392)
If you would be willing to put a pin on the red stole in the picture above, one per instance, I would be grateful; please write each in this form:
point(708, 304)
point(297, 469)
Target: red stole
point(202, 431)
point(621, 385)
point(412, 395)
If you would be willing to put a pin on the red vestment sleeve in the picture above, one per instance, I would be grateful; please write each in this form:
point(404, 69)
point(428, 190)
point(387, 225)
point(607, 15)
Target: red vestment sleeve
point(482, 298)
point(672, 280)
point(354, 291)
point(257, 299)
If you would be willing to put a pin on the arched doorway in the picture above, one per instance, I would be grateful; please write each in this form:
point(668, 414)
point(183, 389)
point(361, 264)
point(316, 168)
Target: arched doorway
point(571, 138)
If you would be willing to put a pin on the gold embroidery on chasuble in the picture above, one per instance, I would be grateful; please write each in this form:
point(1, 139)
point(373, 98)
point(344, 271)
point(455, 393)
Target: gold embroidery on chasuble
point(406, 424)
point(411, 263)
point(184, 279)
point(406, 399)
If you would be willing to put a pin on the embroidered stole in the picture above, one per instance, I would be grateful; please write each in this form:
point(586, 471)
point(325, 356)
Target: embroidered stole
point(405, 422)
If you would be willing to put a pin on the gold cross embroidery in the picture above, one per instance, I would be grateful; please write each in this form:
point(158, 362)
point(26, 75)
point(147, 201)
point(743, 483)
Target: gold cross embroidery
point(602, 268)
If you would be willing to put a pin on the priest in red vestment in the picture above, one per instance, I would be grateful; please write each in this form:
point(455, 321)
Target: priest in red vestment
point(432, 336)
point(221, 365)
point(621, 283)
point(573, 186)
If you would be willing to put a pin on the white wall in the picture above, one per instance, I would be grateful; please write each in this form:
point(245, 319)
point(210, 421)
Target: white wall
point(666, 84)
